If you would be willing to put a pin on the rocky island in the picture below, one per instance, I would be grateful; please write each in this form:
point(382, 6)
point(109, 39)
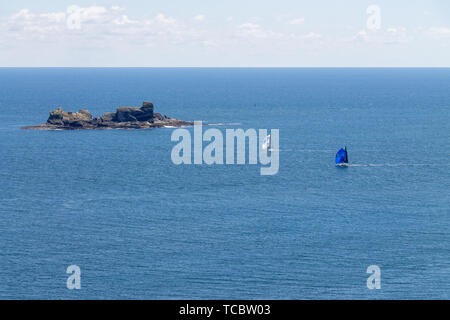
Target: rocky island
point(124, 118)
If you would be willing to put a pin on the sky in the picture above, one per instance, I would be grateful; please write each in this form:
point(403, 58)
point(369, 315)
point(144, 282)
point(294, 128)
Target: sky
point(232, 33)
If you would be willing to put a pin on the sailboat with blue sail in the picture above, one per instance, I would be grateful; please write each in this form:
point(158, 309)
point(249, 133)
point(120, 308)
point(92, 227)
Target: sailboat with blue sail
point(342, 157)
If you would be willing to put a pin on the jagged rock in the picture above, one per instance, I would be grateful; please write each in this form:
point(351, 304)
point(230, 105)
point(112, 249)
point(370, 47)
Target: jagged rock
point(123, 118)
point(159, 116)
point(130, 114)
point(107, 117)
point(60, 117)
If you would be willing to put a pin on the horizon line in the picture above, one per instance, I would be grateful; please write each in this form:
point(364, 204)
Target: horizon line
point(212, 67)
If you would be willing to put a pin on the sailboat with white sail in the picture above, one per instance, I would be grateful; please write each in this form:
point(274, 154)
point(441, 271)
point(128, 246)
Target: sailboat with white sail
point(267, 145)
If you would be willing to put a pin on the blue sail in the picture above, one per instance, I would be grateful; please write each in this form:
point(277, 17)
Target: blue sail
point(341, 156)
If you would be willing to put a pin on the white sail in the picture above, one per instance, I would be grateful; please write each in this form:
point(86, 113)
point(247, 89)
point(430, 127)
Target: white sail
point(267, 145)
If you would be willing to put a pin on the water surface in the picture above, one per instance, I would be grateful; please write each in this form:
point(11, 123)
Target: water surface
point(140, 227)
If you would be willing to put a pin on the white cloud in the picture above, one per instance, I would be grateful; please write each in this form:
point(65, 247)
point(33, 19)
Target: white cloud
point(199, 17)
point(397, 35)
point(105, 26)
point(209, 43)
point(253, 30)
point(165, 20)
point(250, 29)
point(296, 21)
point(117, 8)
point(361, 36)
point(57, 17)
point(124, 20)
point(312, 36)
point(390, 35)
point(26, 22)
point(439, 32)
point(94, 14)
point(98, 25)
point(257, 32)
point(24, 14)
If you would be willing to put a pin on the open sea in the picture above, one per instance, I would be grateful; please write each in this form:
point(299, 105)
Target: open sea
point(139, 227)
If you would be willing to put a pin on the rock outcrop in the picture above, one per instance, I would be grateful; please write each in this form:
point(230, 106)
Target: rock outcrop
point(124, 118)
point(130, 114)
point(60, 118)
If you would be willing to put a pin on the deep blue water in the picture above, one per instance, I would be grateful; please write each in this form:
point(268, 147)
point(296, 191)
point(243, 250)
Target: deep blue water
point(138, 226)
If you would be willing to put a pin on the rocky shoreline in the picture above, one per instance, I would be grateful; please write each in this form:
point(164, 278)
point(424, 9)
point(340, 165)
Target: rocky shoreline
point(124, 118)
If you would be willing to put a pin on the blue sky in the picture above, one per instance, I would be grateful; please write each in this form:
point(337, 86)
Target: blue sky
point(282, 33)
